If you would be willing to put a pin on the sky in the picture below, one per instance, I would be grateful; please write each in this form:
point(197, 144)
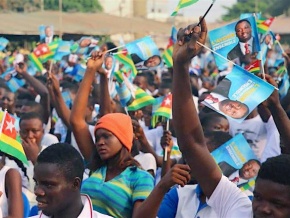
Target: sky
point(196, 10)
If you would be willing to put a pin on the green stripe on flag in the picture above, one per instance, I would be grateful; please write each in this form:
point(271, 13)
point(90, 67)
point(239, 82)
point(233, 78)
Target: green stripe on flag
point(167, 56)
point(119, 76)
point(127, 61)
point(165, 112)
point(142, 99)
point(6, 147)
point(183, 4)
point(36, 62)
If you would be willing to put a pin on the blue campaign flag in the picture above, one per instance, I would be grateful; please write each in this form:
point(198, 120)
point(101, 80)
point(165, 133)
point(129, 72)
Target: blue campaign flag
point(3, 43)
point(62, 50)
point(230, 42)
point(12, 79)
point(235, 152)
point(145, 53)
point(67, 98)
point(124, 93)
point(31, 70)
point(46, 33)
point(284, 86)
point(279, 62)
point(238, 94)
point(80, 72)
point(246, 15)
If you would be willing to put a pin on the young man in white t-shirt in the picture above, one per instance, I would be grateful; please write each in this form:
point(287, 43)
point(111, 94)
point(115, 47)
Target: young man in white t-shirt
point(271, 194)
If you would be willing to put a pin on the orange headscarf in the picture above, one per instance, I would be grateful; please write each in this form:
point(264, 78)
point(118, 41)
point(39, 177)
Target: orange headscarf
point(120, 125)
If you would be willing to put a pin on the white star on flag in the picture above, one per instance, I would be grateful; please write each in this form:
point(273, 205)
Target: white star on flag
point(44, 49)
point(251, 66)
point(10, 125)
point(167, 101)
point(267, 21)
point(37, 52)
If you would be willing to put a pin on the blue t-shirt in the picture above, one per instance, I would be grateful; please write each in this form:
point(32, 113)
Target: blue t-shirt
point(117, 196)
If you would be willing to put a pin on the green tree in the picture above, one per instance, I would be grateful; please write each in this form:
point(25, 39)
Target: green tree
point(267, 7)
point(279, 7)
point(35, 5)
point(74, 5)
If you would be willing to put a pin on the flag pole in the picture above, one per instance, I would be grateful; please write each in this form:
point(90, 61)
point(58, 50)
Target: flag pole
point(120, 46)
point(263, 70)
point(215, 53)
point(166, 147)
point(228, 59)
point(206, 13)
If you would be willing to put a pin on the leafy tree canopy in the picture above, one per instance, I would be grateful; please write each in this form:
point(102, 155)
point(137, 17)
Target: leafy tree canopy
point(268, 7)
point(35, 5)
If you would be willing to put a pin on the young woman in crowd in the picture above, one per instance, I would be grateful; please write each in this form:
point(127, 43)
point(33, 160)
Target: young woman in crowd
point(117, 185)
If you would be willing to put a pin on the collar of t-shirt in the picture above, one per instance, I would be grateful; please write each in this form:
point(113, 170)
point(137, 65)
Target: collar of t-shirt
point(250, 44)
point(199, 193)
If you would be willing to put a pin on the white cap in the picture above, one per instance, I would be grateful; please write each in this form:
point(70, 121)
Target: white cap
point(18, 59)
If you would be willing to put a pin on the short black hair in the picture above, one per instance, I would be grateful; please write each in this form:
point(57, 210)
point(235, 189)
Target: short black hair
point(241, 21)
point(276, 169)
point(255, 160)
point(209, 118)
point(72, 87)
point(66, 157)
point(35, 106)
point(216, 139)
point(29, 116)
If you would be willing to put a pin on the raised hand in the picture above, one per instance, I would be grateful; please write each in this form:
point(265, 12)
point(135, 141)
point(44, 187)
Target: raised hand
point(21, 68)
point(138, 131)
point(166, 140)
point(187, 47)
point(96, 61)
point(179, 174)
point(274, 97)
point(52, 82)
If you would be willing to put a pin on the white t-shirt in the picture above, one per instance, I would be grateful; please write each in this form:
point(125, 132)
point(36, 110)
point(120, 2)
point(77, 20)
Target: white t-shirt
point(49, 139)
point(147, 161)
point(73, 140)
point(87, 211)
point(3, 198)
point(154, 136)
point(227, 201)
point(258, 134)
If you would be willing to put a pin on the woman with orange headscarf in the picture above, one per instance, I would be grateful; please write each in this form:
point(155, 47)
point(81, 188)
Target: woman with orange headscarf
point(117, 185)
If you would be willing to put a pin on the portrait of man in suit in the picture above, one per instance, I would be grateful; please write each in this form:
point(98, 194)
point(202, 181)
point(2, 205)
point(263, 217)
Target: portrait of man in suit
point(247, 44)
point(249, 170)
point(150, 63)
point(219, 99)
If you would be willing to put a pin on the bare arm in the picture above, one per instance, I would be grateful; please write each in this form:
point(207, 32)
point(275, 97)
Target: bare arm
point(279, 115)
point(179, 174)
point(146, 147)
point(13, 185)
point(186, 122)
point(39, 88)
point(77, 117)
point(105, 99)
point(57, 100)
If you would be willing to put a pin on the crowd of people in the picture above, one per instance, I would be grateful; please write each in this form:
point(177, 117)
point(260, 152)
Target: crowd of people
point(109, 162)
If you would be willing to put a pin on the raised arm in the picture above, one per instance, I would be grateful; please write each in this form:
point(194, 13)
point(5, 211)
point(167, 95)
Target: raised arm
point(279, 115)
point(77, 117)
point(13, 186)
point(186, 122)
point(38, 87)
point(57, 100)
point(105, 99)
